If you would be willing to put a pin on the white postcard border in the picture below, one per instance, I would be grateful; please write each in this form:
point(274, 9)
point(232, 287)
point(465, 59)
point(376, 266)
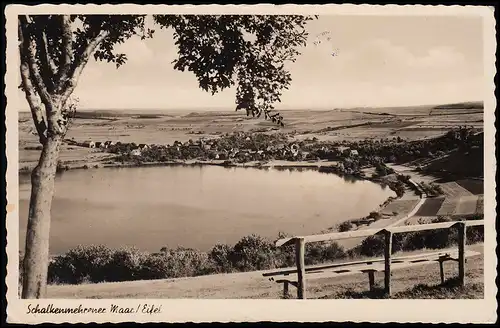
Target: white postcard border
point(187, 310)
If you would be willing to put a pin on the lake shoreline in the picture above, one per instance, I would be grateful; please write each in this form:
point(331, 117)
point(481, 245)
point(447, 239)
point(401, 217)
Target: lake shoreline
point(278, 165)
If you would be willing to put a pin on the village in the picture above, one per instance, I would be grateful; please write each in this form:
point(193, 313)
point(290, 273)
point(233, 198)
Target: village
point(238, 148)
point(344, 157)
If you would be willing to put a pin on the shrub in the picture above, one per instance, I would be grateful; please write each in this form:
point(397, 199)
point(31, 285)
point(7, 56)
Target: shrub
point(372, 246)
point(221, 255)
point(125, 264)
point(375, 215)
point(81, 264)
point(346, 226)
point(99, 263)
point(475, 234)
point(191, 262)
point(179, 262)
point(155, 266)
point(253, 253)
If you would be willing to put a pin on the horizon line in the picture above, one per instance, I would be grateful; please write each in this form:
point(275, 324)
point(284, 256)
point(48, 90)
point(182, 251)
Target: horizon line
point(289, 108)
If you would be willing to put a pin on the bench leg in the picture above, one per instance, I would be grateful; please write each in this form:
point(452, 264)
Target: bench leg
point(285, 289)
point(441, 271)
point(371, 278)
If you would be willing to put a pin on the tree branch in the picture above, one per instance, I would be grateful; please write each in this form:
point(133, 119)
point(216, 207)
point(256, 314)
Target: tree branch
point(31, 97)
point(48, 66)
point(28, 53)
point(50, 62)
point(68, 85)
point(67, 48)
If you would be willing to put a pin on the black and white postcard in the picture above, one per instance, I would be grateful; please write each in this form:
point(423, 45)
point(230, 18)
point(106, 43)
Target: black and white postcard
point(295, 163)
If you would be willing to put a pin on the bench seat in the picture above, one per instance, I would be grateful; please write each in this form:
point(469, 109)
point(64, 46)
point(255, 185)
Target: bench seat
point(289, 276)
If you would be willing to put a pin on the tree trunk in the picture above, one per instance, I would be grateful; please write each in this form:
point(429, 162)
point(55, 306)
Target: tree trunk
point(36, 259)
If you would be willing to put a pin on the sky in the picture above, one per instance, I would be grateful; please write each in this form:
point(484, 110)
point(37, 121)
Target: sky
point(380, 61)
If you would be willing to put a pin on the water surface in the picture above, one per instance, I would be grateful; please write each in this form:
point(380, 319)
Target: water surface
point(196, 206)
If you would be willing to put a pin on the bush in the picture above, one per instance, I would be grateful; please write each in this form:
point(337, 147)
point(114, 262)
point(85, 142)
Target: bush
point(99, 263)
point(221, 255)
point(346, 226)
point(375, 215)
point(125, 264)
point(253, 253)
point(81, 264)
point(323, 252)
point(431, 239)
point(155, 266)
point(475, 234)
point(187, 262)
point(372, 246)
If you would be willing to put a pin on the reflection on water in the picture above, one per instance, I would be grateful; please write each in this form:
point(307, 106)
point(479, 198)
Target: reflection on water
point(196, 206)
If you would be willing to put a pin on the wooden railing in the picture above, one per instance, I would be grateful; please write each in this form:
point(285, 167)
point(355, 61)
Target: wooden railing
point(300, 241)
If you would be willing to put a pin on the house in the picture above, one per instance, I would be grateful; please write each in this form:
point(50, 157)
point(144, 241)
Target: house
point(143, 146)
point(88, 144)
point(353, 152)
point(136, 152)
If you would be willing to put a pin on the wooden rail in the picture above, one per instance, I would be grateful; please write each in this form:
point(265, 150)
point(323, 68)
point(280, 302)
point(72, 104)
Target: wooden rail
point(388, 233)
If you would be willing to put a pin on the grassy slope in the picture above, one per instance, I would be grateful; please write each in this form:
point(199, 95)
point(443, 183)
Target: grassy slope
point(406, 283)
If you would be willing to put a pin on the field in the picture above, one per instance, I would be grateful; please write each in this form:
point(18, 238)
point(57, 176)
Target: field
point(400, 206)
point(165, 127)
point(406, 283)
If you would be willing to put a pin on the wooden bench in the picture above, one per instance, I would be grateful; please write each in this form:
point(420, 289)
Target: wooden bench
point(289, 276)
point(385, 264)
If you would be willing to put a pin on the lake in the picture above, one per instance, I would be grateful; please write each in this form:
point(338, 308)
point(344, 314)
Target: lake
point(196, 206)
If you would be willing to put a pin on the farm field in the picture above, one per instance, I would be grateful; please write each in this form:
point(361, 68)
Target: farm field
point(430, 207)
point(400, 206)
point(165, 127)
point(453, 189)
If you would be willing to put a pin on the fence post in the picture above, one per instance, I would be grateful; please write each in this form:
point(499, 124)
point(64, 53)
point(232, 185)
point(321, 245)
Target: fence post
point(301, 269)
point(285, 289)
point(371, 279)
point(441, 271)
point(387, 258)
point(461, 252)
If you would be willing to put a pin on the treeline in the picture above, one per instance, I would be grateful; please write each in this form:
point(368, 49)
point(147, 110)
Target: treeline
point(93, 264)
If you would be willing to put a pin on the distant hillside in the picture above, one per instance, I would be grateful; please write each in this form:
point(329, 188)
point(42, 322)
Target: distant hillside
point(467, 164)
point(463, 105)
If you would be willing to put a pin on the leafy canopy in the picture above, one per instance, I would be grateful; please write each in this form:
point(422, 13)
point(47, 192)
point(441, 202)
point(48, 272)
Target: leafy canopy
point(222, 51)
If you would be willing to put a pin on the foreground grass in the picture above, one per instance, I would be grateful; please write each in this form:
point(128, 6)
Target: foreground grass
point(415, 282)
point(450, 289)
